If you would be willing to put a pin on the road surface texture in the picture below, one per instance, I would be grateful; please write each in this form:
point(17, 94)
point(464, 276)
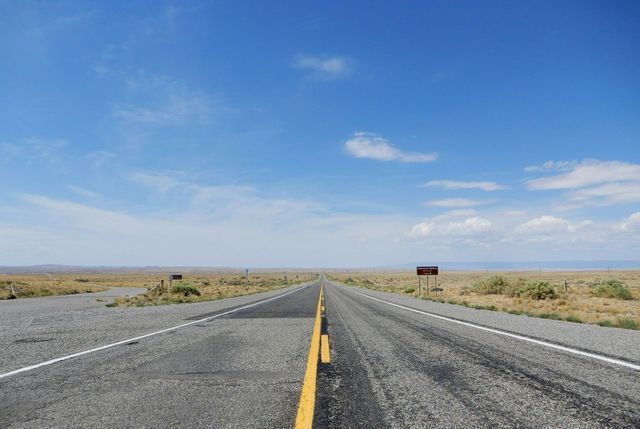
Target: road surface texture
point(244, 365)
point(396, 368)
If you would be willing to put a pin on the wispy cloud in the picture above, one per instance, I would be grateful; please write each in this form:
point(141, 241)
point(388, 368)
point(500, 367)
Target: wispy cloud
point(457, 202)
point(594, 182)
point(586, 173)
point(83, 192)
point(456, 184)
point(34, 148)
point(279, 230)
point(630, 224)
point(552, 166)
point(323, 67)
point(99, 158)
point(176, 110)
point(159, 182)
point(161, 100)
point(373, 146)
point(608, 193)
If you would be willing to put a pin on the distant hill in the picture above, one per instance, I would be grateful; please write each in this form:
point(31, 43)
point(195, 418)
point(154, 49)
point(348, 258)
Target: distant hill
point(528, 265)
point(444, 265)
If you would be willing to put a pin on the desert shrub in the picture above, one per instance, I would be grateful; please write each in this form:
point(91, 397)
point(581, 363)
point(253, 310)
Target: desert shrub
point(612, 289)
point(82, 280)
point(627, 324)
point(538, 289)
point(409, 289)
point(620, 323)
point(552, 316)
point(206, 283)
point(573, 318)
point(495, 285)
point(185, 289)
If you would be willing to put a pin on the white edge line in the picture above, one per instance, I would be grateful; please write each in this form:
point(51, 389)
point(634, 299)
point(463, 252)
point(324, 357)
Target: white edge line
point(108, 346)
point(508, 334)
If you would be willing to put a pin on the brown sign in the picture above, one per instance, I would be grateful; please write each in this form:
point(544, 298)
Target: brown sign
point(427, 271)
point(175, 277)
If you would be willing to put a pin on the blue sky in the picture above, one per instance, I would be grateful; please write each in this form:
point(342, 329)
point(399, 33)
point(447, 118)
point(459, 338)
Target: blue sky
point(318, 133)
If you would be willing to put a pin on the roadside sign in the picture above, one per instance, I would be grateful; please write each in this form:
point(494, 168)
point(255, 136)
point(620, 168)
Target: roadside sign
point(175, 277)
point(427, 271)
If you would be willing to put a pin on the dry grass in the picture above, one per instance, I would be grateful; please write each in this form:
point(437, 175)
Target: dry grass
point(33, 285)
point(208, 287)
point(578, 304)
point(212, 285)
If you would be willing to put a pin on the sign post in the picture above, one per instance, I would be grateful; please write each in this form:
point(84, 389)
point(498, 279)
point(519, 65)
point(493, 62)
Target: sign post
point(431, 270)
point(173, 277)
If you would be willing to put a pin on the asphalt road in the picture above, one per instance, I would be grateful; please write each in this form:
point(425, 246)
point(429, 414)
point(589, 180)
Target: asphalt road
point(391, 367)
point(401, 369)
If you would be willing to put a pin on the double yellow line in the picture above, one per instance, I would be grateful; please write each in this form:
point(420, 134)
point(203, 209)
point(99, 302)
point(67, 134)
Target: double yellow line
point(319, 345)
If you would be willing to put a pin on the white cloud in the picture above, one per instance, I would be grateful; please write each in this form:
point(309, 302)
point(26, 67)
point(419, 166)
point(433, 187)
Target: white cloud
point(515, 213)
point(587, 173)
point(457, 202)
point(440, 227)
point(552, 166)
point(631, 224)
point(455, 184)
point(461, 212)
point(159, 182)
point(594, 182)
point(161, 100)
point(245, 229)
point(609, 193)
point(372, 146)
point(550, 225)
point(34, 148)
point(176, 110)
point(324, 68)
point(240, 226)
point(100, 157)
point(544, 224)
point(83, 192)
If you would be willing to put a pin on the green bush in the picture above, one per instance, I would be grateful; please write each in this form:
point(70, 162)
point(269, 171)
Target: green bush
point(409, 289)
point(573, 318)
point(612, 289)
point(620, 323)
point(552, 316)
point(538, 289)
point(185, 289)
point(495, 285)
point(627, 324)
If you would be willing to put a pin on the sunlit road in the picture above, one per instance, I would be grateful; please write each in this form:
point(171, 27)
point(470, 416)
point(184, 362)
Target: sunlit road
point(241, 363)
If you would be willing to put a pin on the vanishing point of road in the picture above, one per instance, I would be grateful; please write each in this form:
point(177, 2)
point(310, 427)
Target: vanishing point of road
point(257, 362)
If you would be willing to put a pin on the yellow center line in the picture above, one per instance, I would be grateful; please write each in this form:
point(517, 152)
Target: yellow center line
point(325, 357)
point(304, 418)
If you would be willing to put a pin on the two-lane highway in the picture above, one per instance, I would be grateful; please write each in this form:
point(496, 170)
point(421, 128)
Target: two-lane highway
point(395, 362)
